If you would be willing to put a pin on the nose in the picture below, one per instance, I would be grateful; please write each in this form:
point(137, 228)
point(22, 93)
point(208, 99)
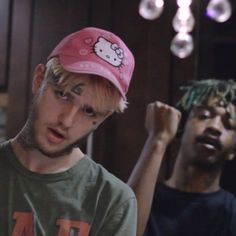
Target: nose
point(215, 126)
point(67, 116)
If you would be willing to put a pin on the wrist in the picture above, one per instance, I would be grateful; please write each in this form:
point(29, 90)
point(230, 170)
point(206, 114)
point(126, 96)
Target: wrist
point(157, 142)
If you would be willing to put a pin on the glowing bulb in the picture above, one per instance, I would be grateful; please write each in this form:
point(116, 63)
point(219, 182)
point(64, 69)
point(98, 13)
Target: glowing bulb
point(219, 10)
point(183, 20)
point(184, 3)
point(182, 45)
point(151, 9)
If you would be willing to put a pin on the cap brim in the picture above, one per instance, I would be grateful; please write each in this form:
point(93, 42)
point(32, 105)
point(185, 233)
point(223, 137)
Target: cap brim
point(88, 67)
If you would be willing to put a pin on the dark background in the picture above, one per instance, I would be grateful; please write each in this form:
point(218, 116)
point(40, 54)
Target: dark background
point(31, 28)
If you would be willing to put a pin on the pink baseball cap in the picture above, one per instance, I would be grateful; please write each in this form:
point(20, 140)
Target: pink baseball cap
point(96, 51)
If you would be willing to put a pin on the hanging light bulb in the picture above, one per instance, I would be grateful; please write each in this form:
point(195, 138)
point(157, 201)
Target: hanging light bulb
point(219, 10)
point(184, 3)
point(183, 20)
point(182, 45)
point(151, 9)
point(183, 23)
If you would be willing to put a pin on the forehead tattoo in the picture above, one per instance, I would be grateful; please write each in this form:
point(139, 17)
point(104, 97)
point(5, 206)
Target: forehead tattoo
point(58, 80)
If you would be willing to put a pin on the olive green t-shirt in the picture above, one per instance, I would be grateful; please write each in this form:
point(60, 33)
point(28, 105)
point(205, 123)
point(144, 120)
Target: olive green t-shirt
point(84, 200)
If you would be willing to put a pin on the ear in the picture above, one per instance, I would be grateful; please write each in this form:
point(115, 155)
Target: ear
point(38, 76)
point(231, 155)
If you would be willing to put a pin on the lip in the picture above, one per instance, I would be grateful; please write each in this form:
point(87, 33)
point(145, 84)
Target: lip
point(208, 146)
point(55, 136)
point(209, 143)
point(205, 149)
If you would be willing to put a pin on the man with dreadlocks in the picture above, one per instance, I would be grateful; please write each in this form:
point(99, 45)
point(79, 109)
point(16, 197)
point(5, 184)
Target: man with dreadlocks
point(191, 202)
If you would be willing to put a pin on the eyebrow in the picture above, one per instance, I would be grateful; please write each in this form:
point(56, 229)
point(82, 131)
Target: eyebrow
point(202, 107)
point(207, 107)
point(213, 109)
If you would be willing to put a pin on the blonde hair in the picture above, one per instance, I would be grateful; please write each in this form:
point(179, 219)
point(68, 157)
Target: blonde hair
point(105, 94)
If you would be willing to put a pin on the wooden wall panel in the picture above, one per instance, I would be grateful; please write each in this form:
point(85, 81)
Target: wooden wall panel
point(5, 11)
point(101, 14)
point(19, 65)
point(52, 21)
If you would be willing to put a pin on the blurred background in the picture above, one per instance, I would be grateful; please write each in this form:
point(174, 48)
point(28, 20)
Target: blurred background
point(31, 28)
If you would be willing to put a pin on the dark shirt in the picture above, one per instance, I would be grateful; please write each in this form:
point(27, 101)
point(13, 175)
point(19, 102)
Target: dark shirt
point(177, 213)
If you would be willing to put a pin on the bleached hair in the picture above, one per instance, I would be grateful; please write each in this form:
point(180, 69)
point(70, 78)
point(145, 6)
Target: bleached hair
point(104, 92)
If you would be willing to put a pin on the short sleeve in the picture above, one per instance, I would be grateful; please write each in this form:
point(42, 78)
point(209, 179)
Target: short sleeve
point(122, 221)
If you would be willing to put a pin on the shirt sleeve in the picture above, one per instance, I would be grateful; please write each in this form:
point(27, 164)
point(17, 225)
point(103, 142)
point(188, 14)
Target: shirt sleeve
point(122, 221)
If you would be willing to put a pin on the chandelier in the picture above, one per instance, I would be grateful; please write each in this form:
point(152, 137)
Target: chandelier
point(183, 22)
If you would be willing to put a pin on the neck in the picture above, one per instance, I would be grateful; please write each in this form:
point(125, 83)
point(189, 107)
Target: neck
point(189, 178)
point(35, 161)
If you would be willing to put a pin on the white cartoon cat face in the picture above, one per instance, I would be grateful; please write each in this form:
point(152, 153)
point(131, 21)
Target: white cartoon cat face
point(109, 52)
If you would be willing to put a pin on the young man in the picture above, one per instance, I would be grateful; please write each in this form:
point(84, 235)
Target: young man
point(191, 202)
point(47, 185)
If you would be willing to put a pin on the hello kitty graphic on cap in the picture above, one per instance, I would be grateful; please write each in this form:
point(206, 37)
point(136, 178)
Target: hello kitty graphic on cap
point(97, 51)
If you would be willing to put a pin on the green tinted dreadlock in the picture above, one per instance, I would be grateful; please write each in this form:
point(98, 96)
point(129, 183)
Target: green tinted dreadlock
point(201, 91)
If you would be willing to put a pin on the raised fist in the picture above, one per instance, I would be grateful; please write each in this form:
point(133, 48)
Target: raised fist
point(162, 121)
